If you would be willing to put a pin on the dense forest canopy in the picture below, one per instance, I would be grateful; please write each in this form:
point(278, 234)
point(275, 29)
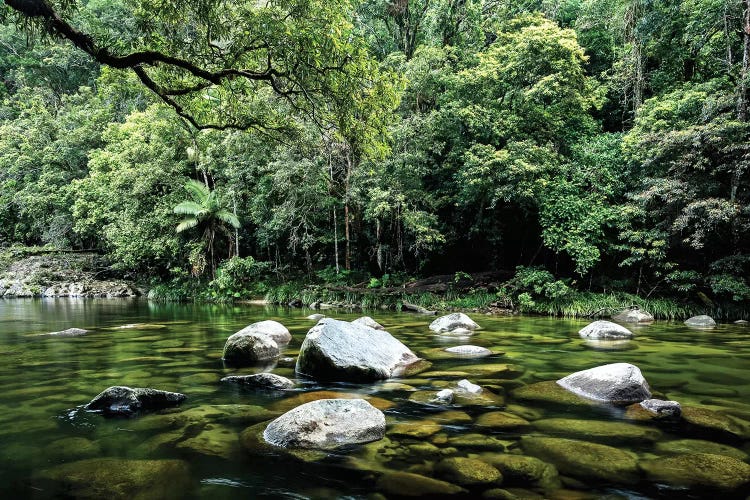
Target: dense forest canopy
point(603, 142)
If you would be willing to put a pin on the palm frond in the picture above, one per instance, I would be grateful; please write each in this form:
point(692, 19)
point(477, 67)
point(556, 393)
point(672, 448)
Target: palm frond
point(229, 218)
point(189, 208)
point(187, 224)
point(198, 191)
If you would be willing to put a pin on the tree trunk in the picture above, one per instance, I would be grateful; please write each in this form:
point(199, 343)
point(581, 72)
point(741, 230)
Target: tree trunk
point(742, 91)
point(347, 235)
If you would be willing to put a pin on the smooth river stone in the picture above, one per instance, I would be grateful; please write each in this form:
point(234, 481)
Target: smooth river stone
point(500, 420)
point(597, 430)
point(709, 422)
point(407, 484)
point(417, 429)
point(260, 381)
point(469, 351)
point(616, 383)
point(701, 321)
point(687, 446)
point(604, 330)
point(699, 470)
point(467, 471)
point(523, 471)
point(452, 322)
point(278, 332)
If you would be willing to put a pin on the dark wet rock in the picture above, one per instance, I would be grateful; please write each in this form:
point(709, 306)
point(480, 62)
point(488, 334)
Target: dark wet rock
point(500, 420)
point(453, 321)
point(522, 470)
point(701, 321)
point(616, 383)
point(688, 446)
point(581, 459)
point(327, 424)
point(468, 471)
point(416, 429)
point(717, 473)
point(70, 332)
point(261, 381)
point(712, 423)
point(252, 348)
point(368, 322)
point(604, 330)
point(115, 478)
point(597, 430)
point(278, 332)
point(469, 351)
point(634, 316)
point(126, 401)
point(338, 350)
point(661, 408)
point(406, 484)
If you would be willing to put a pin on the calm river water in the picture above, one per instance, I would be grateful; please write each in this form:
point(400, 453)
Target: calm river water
point(50, 448)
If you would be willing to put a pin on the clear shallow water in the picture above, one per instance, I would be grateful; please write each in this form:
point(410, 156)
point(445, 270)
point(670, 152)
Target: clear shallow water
point(51, 449)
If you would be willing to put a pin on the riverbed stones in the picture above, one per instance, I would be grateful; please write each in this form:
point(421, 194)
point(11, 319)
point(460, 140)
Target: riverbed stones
point(637, 316)
point(597, 430)
point(278, 332)
point(468, 471)
point(260, 381)
point(338, 350)
point(702, 321)
point(70, 332)
point(615, 383)
point(115, 478)
point(368, 322)
point(242, 349)
point(453, 321)
point(502, 421)
point(469, 351)
point(689, 446)
point(581, 459)
point(549, 392)
point(127, 401)
point(327, 424)
point(604, 330)
point(712, 423)
point(699, 470)
point(661, 408)
point(523, 471)
point(407, 484)
point(416, 429)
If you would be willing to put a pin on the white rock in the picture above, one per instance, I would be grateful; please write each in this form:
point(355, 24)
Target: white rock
point(616, 383)
point(466, 386)
point(443, 397)
point(604, 330)
point(633, 316)
point(278, 332)
point(453, 321)
point(701, 321)
point(368, 322)
point(469, 351)
point(316, 316)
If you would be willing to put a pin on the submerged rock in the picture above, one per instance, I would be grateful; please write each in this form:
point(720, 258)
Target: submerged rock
point(500, 420)
point(480, 442)
point(327, 424)
point(712, 423)
point(416, 429)
point(522, 470)
point(662, 408)
point(316, 317)
point(597, 430)
point(453, 321)
point(581, 459)
point(212, 441)
point(261, 381)
point(278, 332)
point(699, 470)
point(338, 350)
point(126, 401)
point(70, 332)
point(407, 484)
point(249, 348)
point(616, 383)
point(634, 316)
point(688, 446)
point(549, 392)
point(701, 321)
point(469, 351)
point(115, 478)
point(468, 471)
point(368, 322)
point(604, 330)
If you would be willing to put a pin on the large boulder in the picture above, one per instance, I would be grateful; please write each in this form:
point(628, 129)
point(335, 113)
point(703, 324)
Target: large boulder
point(633, 316)
point(261, 381)
point(338, 350)
point(327, 424)
point(616, 383)
point(249, 348)
point(604, 330)
point(368, 322)
point(452, 322)
point(126, 401)
point(701, 321)
point(273, 329)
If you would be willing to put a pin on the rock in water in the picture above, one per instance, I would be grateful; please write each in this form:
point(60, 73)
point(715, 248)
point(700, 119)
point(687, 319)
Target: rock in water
point(453, 321)
point(604, 330)
point(249, 348)
point(338, 350)
point(616, 383)
point(634, 316)
point(327, 424)
point(469, 351)
point(270, 328)
point(443, 397)
point(126, 401)
point(70, 332)
point(701, 321)
point(465, 385)
point(662, 408)
point(368, 322)
point(316, 316)
point(261, 381)
point(701, 470)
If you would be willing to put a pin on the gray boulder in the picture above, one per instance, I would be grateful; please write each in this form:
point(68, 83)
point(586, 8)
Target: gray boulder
point(633, 316)
point(338, 350)
point(327, 424)
point(249, 348)
point(701, 321)
point(453, 321)
point(273, 329)
point(616, 383)
point(126, 401)
point(604, 330)
point(261, 381)
point(662, 408)
point(70, 332)
point(469, 351)
point(368, 322)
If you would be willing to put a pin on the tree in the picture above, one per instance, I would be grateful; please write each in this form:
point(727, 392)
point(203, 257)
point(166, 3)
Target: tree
point(208, 210)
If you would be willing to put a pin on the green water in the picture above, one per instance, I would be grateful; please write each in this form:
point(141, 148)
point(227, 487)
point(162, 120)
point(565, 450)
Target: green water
point(50, 448)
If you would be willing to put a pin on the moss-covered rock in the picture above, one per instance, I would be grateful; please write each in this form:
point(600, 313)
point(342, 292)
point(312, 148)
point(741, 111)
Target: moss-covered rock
point(522, 470)
point(415, 485)
point(699, 470)
point(452, 417)
point(71, 448)
point(213, 441)
point(585, 460)
point(500, 420)
point(597, 430)
point(550, 393)
point(712, 423)
point(479, 442)
point(468, 471)
point(115, 478)
point(687, 446)
point(415, 429)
